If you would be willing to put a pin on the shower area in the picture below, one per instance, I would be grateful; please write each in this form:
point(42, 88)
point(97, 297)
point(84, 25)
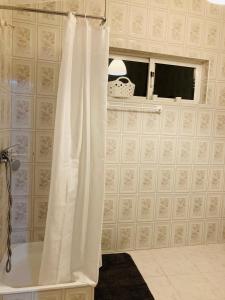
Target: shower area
point(30, 57)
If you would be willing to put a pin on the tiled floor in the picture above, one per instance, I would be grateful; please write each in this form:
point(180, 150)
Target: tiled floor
point(187, 273)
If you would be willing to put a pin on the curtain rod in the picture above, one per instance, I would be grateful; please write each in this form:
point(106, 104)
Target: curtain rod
point(43, 11)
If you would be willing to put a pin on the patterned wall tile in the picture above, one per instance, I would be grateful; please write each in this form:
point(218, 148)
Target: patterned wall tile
point(195, 31)
point(169, 120)
point(211, 232)
point(45, 113)
point(110, 208)
point(176, 28)
point(21, 213)
point(212, 32)
point(47, 78)
point(167, 150)
point(118, 17)
point(44, 146)
point(219, 124)
point(53, 295)
point(78, 294)
point(128, 179)
point(138, 21)
point(130, 149)
point(114, 121)
point(179, 234)
point(204, 124)
point(199, 181)
point(22, 15)
point(184, 151)
point(48, 43)
point(215, 179)
point(163, 209)
point(147, 177)
point(187, 122)
point(109, 236)
point(150, 123)
point(162, 235)
point(165, 179)
point(146, 206)
point(21, 236)
point(221, 68)
point(24, 142)
point(183, 179)
point(23, 76)
point(180, 5)
point(21, 296)
point(180, 207)
point(21, 180)
point(24, 40)
point(144, 236)
point(157, 25)
point(149, 149)
point(126, 208)
point(126, 234)
point(73, 5)
point(49, 18)
point(113, 148)
point(197, 207)
point(220, 94)
point(22, 111)
point(213, 205)
point(202, 151)
point(213, 11)
point(40, 211)
point(42, 180)
point(131, 122)
point(196, 231)
point(218, 152)
point(111, 179)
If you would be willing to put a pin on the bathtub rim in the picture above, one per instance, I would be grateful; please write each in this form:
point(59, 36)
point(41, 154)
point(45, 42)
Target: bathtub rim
point(6, 289)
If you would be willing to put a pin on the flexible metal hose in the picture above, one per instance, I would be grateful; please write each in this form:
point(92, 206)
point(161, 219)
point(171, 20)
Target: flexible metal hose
point(8, 169)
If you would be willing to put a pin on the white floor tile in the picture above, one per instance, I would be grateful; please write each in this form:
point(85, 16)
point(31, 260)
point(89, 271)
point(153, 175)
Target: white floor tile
point(184, 273)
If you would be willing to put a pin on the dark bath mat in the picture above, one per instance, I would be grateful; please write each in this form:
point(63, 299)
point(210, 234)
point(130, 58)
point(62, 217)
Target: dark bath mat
point(119, 279)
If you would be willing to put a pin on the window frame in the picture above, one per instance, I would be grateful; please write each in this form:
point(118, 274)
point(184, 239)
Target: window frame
point(198, 78)
point(151, 60)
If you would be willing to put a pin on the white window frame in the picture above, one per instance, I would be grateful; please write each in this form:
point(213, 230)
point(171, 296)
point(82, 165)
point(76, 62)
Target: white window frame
point(150, 80)
point(198, 76)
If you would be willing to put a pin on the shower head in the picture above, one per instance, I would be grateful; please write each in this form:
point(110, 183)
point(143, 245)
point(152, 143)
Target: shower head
point(15, 164)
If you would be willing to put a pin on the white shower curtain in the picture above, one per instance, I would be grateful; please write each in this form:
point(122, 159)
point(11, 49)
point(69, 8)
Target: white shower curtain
point(71, 249)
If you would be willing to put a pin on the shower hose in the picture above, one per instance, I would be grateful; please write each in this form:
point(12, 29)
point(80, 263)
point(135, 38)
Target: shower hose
point(8, 171)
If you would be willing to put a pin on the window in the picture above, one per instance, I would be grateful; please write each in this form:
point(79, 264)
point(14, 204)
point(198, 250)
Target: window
point(174, 79)
point(137, 72)
point(164, 79)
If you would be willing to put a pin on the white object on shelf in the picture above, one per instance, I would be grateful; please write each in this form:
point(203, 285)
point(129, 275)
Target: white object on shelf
point(120, 89)
point(117, 67)
point(153, 109)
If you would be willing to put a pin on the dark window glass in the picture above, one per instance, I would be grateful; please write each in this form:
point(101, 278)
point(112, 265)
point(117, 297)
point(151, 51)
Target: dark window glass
point(174, 81)
point(137, 72)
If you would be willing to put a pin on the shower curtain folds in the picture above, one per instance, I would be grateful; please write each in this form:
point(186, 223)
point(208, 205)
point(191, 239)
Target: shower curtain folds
point(73, 230)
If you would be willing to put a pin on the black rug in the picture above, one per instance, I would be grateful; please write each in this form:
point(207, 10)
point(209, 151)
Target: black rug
point(119, 279)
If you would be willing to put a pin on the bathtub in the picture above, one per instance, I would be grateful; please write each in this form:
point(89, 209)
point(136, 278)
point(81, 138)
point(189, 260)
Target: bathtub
point(22, 282)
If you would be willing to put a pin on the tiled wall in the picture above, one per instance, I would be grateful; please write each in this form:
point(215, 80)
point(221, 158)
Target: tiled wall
point(5, 75)
point(85, 293)
point(164, 173)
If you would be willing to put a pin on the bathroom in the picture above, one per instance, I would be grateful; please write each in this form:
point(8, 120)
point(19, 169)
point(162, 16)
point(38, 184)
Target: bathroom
point(162, 177)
